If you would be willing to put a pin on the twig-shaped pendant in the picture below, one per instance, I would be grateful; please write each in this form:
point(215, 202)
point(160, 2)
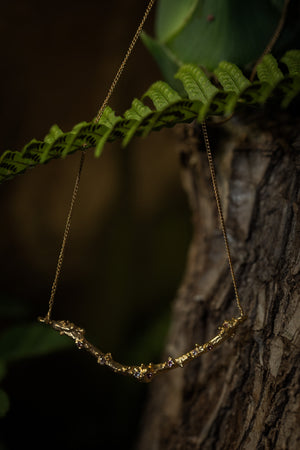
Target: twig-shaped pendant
point(143, 372)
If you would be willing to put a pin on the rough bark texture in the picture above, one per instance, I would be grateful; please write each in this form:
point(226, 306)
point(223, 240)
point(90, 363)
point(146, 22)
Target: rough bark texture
point(245, 394)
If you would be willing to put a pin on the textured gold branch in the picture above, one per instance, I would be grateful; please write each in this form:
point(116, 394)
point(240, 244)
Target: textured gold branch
point(143, 372)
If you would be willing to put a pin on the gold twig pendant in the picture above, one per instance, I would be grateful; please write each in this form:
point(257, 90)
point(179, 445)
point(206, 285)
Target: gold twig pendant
point(143, 372)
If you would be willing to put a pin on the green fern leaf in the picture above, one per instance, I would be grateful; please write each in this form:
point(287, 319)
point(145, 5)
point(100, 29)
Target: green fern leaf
point(135, 114)
point(54, 133)
point(71, 140)
point(151, 123)
point(268, 71)
point(269, 75)
point(102, 141)
point(162, 95)
point(137, 111)
point(108, 118)
point(292, 60)
point(197, 86)
point(233, 82)
point(291, 90)
point(231, 78)
point(291, 87)
point(196, 83)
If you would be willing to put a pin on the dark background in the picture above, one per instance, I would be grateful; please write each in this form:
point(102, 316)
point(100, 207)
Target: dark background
point(129, 234)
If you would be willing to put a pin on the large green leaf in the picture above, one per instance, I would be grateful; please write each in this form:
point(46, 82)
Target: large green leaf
point(166, 60)
point(172, 16)
point(226, 30)
point(207, 32)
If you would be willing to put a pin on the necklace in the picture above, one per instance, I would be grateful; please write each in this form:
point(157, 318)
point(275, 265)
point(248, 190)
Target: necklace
point(142, 372)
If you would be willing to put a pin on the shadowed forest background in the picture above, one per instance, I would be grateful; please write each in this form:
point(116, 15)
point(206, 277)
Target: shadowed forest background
point(129, 234)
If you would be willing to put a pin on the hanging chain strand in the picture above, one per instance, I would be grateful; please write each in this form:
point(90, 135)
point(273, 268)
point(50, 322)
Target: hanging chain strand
point(123, 64)
point(267, 50)
point(76, 185)
point(65, 238)
point(221, 216)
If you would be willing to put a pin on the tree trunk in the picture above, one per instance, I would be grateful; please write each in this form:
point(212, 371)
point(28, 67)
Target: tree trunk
point(244, 394)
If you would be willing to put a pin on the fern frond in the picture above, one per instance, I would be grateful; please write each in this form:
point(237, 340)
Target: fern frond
point(203, 98)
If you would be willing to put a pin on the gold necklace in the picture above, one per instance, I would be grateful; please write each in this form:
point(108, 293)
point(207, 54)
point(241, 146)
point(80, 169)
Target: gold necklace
point(142, 372)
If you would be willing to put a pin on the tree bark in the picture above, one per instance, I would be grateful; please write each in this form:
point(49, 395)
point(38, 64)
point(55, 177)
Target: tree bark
point(244, 394)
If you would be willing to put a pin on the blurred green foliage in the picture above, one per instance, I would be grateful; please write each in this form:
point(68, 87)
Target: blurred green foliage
point(23, 341)
point(207, 32)
point(4, 403)
point(30, 340)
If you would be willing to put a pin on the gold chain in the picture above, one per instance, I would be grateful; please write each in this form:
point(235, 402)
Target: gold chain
point(146, 372)
point(142, 372)
point(65, 238)
point(123, 64)
point(220, 212)
point(76, 185)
